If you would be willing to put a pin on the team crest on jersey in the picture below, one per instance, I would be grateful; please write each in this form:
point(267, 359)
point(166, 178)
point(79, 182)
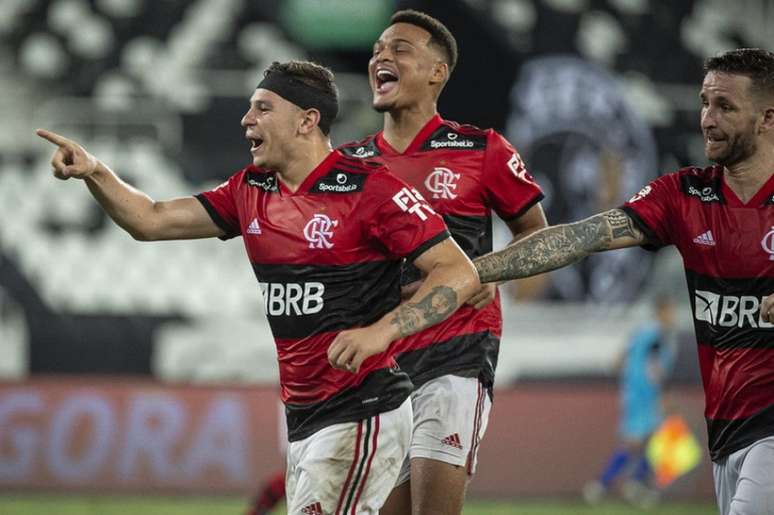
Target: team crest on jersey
point(319, 231)
point(767, 243)
point(441, 183)
point(265, 181)
point(447, 138)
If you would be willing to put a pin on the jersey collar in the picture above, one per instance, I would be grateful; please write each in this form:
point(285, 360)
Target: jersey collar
point(323, 168)
point(386, 149)
point(761, 197)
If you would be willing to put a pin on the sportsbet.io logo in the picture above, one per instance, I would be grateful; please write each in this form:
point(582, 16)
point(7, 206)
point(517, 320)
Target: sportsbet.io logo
point(729, 310)
point(319, 231)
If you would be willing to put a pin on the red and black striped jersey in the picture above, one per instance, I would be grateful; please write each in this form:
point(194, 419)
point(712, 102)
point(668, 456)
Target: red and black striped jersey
point(327, 258)
point(465, 173)
point(728, 252)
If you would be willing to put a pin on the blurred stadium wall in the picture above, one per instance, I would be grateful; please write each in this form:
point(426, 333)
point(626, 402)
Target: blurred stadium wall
point(599, 97)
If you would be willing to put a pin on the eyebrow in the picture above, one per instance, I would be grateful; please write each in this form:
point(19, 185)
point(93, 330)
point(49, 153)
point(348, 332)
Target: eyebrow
point(396, 40)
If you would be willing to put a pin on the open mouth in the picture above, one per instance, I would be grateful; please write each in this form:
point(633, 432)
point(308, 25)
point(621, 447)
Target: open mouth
point(385, 80)
point(255, 143)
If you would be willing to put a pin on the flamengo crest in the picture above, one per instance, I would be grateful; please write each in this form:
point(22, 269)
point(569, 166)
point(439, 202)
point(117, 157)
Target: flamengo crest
point(319, 230)
point(767, 243)
point(442, 182)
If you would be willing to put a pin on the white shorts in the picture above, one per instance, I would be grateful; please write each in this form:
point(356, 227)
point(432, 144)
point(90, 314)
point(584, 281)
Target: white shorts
point(450, 418)
point(348, 468)
point(744, 480)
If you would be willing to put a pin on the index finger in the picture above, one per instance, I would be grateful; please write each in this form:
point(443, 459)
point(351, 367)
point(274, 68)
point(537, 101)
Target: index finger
point(53, 137)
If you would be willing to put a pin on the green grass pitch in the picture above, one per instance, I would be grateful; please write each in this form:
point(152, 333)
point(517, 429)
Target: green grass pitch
point(37, 504)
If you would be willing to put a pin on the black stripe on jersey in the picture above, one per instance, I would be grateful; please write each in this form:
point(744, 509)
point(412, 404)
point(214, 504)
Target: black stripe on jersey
point(219, 221)
point(361, 150)
point(728, 436)
point(381, 391)
point(525, 208)
point(653, 243)
point(266, 181)
point(302, 300)
point(427, 245)
point(469, 355)
point(446, 138)
point(706, 191)
point(472, 233)
point(340, 181)
point(726, 311)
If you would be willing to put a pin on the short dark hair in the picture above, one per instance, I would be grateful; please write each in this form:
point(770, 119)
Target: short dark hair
point(755, 63)
point(314, 75)
point(324, 95)
point(440, 36)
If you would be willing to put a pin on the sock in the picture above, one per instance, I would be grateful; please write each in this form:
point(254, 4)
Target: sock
point(272, 493)
point(614, 467)
point(642, 471)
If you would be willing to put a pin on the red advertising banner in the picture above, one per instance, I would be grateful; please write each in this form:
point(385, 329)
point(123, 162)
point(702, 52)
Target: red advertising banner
point(120, 435)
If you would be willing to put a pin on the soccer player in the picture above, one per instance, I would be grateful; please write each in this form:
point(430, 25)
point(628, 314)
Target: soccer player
point(721, 219)
point(644, 366)
point(325, 235)
point(466, 173)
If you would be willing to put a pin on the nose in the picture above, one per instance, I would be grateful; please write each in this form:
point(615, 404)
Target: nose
point(707, 118)
point(248, 119)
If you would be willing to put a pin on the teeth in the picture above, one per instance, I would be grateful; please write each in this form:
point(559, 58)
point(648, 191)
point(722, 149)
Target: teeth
point(385, 75)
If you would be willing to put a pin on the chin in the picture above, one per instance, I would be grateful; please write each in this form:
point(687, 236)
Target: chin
point(383, 106)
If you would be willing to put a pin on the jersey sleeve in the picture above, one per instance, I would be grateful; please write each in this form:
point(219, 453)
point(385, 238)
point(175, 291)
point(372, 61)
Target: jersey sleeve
point(402, 221)
point(220, 204)
point(510, 188)
point(651, 208)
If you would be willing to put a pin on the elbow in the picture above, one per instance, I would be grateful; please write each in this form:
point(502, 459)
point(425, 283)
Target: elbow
point(141, 234)
point(469, 282)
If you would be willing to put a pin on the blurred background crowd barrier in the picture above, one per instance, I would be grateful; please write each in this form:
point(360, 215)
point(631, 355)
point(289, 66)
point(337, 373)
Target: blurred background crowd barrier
point(103, 339)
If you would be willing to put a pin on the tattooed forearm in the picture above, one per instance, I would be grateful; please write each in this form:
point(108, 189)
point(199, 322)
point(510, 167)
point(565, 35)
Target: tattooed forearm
point(412, 317)
point(558, 246)
point(621, 224)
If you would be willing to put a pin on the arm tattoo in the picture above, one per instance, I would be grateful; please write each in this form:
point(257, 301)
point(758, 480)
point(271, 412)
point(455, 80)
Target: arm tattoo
point(555, 247)
point(412, 317)
point(622, 226)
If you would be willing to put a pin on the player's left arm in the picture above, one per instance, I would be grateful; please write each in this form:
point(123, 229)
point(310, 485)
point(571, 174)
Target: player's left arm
point(450, 280)
point(532, 220)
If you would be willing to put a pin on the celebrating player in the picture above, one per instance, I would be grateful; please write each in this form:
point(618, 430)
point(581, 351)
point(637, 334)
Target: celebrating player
point(325, 235)
point(465, 173)
point(721, 219)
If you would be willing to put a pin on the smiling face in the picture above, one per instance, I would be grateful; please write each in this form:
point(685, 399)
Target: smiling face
point(729, 118)
point(404, 70)
point(270, 125)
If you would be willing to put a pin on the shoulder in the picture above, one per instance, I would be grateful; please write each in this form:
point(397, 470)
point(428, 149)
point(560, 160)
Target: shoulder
point(703, 184)
point(456, 136)
point(361, 149)
point(348, 175)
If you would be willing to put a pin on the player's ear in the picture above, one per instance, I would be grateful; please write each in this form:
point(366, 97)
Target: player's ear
point(767, 121)
point(310, 118)
point(440, 73)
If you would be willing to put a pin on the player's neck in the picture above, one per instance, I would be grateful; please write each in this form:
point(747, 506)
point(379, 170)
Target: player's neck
point(304, 161)
point(746, 178)
point(401, 126)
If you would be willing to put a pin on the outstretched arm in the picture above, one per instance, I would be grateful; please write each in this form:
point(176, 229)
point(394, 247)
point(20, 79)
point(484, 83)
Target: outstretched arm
point(560, 245)
point(451, 279)
point(133, 210)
